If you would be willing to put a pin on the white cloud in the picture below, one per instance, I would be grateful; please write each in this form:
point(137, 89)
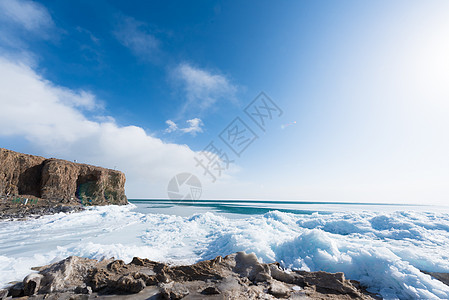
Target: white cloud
point(171, 126)
point(22, 21)
point(202, 88)
point(51, 118)
point(29, 14)
point(193, 128)
point(135, 35)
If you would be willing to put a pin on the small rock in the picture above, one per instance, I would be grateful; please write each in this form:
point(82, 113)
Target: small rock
point(66, 208)
point(210, 290)
point(262, 277)
point(281, 275)
point(16, 290)
point(87, 290)
point(162, 277)
point(148, 279)
point(217, 260)
point(138, 261)
point(130, 285)
point(3, 294)
point(31, 284)
point(331, 281)
point(247, 265)
point(173, 291)
point(116, 265)
point(279, 290)
point(99, 279)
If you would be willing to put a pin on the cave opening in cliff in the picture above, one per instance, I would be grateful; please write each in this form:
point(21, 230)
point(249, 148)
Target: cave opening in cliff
point(86, 188)
point(29, 181)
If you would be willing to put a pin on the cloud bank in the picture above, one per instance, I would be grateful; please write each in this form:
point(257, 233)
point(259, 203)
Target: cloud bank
point(54, 120)
point(32, 16)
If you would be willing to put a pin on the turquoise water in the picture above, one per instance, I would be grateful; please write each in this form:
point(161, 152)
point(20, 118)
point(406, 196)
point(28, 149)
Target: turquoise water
point(244, 208)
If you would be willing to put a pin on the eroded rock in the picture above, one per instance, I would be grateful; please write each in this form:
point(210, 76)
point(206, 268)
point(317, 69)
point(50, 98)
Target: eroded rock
point(211, 290)
point(173, 291)
point(128, 284)
point(236, 276)
point(16, 290)
point(33, 185)
point(247, 265)
point(279, 289)
point(31, 284)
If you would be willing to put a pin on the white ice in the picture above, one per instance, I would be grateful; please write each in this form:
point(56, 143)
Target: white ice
point(384, 251)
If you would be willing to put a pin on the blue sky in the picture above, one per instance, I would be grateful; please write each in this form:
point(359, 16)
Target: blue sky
point(144, 87)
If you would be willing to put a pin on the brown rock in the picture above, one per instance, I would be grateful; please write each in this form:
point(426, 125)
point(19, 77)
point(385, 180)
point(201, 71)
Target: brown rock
point(128, 284)
point(31, 284)
point(237, 276)
point(3, 294)
point(281, 275)
point(70, 272)
point(210, 290)
point(326, 282)
point(247, 265)
point(16, 290)
point(59, 180)
point(99, 279)
point(173, 291)
point(278, 289)
point(20, 174)
point(87, 290)
point(116, 265)
point(138, 261)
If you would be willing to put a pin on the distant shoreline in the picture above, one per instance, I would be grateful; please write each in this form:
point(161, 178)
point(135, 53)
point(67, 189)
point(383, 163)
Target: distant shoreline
point(275, 201)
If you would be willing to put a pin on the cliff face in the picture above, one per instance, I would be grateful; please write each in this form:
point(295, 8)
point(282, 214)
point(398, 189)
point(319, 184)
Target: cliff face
point(20, 173)
point(55, 179)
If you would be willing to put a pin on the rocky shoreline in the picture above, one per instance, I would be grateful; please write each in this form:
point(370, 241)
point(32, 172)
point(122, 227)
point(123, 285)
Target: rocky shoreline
point(236, 276)
point(29, 207)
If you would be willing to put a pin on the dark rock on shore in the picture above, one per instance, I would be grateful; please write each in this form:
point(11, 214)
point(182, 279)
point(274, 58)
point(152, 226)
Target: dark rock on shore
point(236, 276)
point(443, 277)
point(11, 211)
point(54, 184)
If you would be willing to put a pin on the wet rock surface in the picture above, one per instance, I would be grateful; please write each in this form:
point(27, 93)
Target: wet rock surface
point(236, 276)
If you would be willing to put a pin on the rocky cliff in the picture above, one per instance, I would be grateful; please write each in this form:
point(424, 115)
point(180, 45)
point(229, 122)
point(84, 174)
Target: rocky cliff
point(59, 180)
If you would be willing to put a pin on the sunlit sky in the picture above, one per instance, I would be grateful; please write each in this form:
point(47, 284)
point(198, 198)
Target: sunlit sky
point(146, 86)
